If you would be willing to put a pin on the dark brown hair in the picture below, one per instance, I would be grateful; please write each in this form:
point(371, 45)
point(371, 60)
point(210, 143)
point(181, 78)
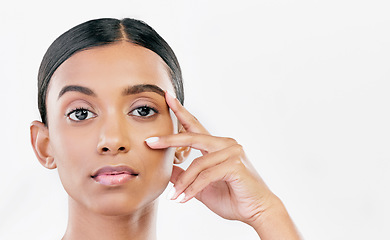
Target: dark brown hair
point(100, 32)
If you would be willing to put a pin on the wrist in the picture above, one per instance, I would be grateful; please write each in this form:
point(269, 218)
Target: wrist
point(271, 208)
point(274, 221)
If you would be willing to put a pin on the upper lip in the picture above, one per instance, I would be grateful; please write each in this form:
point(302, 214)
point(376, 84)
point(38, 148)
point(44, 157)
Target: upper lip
point(114, 170)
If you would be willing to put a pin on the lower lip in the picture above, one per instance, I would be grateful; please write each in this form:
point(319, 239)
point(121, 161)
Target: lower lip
point(111, 180)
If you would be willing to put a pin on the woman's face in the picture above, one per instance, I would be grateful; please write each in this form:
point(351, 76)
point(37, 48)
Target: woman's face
point(102, 104)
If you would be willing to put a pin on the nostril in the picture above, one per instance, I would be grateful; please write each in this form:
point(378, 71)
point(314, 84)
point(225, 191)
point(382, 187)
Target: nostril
point(107, 149)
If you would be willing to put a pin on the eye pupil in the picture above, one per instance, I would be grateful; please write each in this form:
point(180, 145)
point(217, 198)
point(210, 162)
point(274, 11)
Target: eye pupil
point(81, 114)
point(143, 111)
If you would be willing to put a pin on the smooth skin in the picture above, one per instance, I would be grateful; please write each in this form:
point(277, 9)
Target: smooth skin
point(223, 179)
point(100, 81)
point(113, 134)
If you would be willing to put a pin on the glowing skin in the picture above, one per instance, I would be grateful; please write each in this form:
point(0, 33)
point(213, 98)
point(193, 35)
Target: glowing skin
point(112, 132)
point(111, 136)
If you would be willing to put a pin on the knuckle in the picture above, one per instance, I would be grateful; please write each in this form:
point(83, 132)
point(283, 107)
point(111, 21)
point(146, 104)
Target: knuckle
point(204, 175)
point(190, 190)
point(238, 149)
point(230, 141)
point(190, 134)
point(190, 138)
point(196, 163)
point(193, 119)
point(236, 162)
point(180, 181)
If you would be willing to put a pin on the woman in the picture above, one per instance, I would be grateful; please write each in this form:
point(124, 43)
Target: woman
point(113, 124)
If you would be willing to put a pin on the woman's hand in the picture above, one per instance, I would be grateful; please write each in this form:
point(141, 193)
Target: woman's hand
point(223, 178)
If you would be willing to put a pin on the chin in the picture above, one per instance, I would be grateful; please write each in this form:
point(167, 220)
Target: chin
point(123, 200)
point(118, 204)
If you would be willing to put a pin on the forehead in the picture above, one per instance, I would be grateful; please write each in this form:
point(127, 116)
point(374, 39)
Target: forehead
point(112, 67)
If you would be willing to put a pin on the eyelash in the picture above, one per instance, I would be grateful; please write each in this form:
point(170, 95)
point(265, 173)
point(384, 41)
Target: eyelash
point(94, 115)
point(144, 106)
point(80, 109)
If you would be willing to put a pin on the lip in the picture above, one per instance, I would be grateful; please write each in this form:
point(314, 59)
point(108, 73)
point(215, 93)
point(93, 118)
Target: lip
point(114, 175)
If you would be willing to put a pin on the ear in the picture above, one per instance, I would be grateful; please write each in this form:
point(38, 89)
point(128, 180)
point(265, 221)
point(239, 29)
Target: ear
point(40, 142)
point(181, 153)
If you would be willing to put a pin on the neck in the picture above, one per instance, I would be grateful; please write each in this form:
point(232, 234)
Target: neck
point(84, 224)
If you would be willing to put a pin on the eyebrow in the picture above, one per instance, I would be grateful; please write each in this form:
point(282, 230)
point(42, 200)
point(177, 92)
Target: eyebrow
point(76, 88)
point(143, 88)
point(127, 91)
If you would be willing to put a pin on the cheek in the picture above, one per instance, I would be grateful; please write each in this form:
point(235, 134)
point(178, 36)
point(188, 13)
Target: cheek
point(156, 164)
point(73, 144)
point(74, 155)
point(158, 161)
point(158, 170)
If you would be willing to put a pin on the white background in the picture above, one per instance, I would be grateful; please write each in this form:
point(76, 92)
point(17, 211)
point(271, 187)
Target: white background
point(303, 85)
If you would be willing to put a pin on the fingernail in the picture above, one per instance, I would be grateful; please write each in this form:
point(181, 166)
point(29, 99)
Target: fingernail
point(171, 193)
point(151, 140)
point(180, 197)
point(171, 94)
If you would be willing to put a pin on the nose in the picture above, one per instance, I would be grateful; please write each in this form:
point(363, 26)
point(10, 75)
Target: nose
point(114, 138)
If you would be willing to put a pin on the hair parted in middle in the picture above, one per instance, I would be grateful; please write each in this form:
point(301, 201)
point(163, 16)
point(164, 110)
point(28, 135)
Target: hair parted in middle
point(99, 32)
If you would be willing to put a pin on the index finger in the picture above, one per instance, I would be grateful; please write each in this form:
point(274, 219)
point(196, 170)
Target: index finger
point(203, 142)
point(189, 122)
